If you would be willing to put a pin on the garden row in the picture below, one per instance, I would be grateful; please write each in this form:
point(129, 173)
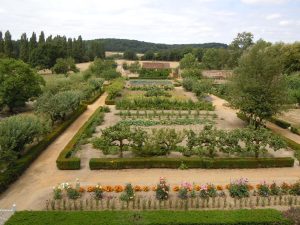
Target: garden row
point(285, 125)
point(162, 217)
point(238, 194)
point(147, 73)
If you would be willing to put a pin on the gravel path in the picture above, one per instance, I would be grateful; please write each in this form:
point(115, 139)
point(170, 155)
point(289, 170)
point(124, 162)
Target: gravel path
point(35, 185)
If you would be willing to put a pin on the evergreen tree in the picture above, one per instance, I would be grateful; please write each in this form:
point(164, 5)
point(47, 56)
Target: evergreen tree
point(42, 38)
point(32, 43)
point(8, 45)
point(78, 49)
point(70, 47)
point(1, 43)
point(24, 48)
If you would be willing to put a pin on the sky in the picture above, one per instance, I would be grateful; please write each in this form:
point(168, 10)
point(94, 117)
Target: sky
point(159, 21)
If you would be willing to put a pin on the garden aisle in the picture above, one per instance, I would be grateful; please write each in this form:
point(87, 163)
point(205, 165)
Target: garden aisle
point(35, 186)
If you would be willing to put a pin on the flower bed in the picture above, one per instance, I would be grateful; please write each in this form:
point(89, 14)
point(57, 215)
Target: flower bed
point(144, 84)
point(237, 194)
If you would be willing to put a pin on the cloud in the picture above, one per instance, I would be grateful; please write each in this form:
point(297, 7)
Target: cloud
point(273, 16)
point(263, 1)
point(285, 22)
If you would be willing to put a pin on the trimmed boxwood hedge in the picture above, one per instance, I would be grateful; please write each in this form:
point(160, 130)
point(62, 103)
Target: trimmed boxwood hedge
point(174, 163)
point(16, 169)
point(281, 123)
point(159, 217)
point(64, 160)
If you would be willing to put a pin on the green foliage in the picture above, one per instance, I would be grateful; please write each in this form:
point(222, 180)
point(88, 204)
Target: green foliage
point(190, 162)
point(239, 188)
point(144, 85)
point(189, 61)
point(199, 87)
point(19, 83)
point(205, 217)
point(105, 69)
point(114, 90)
point(162, 103)
point(18, 131)
point(154, 73)
point(162, 190)
point(16, 169)
point(128, 193)
point(64, 66)
point(134, 67)
point(59, 105)
point(257, 140)
point(156, 92)
point(130, 55)
point(280, 123)
point(259, 89)
point(116, 136)
point(65, 161)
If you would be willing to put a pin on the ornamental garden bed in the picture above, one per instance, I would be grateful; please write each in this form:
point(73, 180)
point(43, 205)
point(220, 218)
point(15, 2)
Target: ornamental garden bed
point(238, 194)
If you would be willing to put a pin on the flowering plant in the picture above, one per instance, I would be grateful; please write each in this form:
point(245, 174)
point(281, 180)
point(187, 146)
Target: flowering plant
point(98, 192)
point(239, 188)
point(162, 189)
point(263, 189)
point(57, 193)
point(184, 189)
point(128, 193)
point(204, 192)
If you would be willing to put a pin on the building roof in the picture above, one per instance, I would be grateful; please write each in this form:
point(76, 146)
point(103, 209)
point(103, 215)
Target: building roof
point(155, 65)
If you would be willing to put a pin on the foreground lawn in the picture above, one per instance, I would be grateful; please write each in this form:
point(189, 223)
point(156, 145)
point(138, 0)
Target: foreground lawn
point(233, 217)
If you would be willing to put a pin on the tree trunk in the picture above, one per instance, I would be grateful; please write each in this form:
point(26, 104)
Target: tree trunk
point(121, 149)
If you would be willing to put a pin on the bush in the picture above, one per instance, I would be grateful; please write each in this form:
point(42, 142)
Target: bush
point(216, 217)
point(295, 130)
point(281, 123)
point(154, 73)
point(64, 160)
point(174, 163)
point(115, 88)
point(17, 168)
point(64, 66)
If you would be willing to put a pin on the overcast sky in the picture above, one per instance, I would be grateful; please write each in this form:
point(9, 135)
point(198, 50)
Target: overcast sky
point(160, 21)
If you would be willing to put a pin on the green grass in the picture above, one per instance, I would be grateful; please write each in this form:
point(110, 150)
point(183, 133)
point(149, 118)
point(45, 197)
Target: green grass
point(232, 217)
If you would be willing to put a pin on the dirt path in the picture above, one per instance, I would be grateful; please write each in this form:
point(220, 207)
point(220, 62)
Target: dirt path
point(35, 186)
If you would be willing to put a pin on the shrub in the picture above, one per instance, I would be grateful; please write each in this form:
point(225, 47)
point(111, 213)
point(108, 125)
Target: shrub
point(16, 169)
point(64, 66)
point(18, 131)
point(115, 88)
point(280, 123)
point(174, 163)
point(154, 73)
point(264, 190)
point(162, 190)
point(239, 188)
point(128, 193)
point(156, 92)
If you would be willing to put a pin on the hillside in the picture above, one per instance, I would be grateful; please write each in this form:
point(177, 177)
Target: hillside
point(112, 44)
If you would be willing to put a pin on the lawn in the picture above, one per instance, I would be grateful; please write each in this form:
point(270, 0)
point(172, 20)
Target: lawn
point(232, 217)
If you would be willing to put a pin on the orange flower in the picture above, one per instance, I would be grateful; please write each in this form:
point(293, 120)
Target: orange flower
point(146, 189)
point(91, 188)
point(227, 186)
point(154, 188)
point(137, 188)
point(81, 190)
point(219, 188)
point(108, 188)
point(258, 186)
point(118, 188)
point(176, 188)
point(250, 187)
point(197, 188)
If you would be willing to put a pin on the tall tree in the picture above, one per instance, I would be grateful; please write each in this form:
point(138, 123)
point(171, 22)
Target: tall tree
point(70, 47)
point(32, 42)
point(8, 45)
point(19, 83)
point(259, 89)
point(1, 43)
point(24, 48)
point(42, 38)
point(78, 48)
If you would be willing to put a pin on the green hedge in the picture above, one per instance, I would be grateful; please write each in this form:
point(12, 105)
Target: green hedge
point(174, 163)
point(295, 130)
point(281, 123)
point(16, 169)
point(93, 98)
point(109, 101)
point(64, 160)
point(159, 217)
